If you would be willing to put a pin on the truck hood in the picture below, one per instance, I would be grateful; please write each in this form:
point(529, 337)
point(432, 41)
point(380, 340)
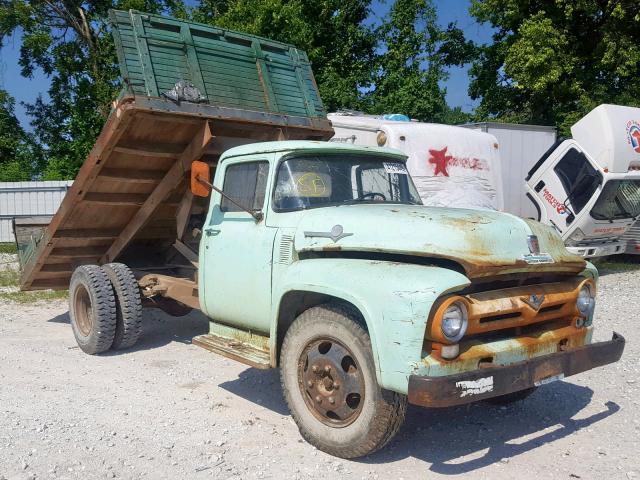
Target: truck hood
point(484, 242)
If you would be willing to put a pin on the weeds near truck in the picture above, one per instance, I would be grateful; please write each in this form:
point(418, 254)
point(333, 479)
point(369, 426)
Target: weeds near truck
point(8, 247)
point(619, 263)
point(9, 280)
point(33, 297)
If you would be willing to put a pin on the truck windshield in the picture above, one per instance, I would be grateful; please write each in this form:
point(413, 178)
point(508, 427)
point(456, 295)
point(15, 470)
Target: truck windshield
point(619, 199)
point(312, 181)
point(578, 177)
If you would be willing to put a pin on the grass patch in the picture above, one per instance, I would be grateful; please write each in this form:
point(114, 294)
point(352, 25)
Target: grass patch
point(33, 297)
point(9, 278)
point(8, 247)
point(618, 263)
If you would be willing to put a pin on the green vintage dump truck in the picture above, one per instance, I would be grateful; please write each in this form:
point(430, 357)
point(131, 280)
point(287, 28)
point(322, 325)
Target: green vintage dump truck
point(314, 257)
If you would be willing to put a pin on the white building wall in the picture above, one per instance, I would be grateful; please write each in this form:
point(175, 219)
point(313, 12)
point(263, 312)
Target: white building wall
point(27, 199)
point(520, 147)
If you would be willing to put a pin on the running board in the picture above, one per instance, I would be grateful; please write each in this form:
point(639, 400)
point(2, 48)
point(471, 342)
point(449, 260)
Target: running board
point(239, 345)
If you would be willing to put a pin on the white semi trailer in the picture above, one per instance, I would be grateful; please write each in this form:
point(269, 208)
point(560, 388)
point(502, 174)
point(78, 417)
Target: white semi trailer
point(586, 186)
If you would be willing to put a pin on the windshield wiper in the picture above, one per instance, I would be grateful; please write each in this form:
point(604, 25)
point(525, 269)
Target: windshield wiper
point(353, 201)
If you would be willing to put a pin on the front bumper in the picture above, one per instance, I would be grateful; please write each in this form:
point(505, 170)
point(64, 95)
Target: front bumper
point(494, 381)
point(598, 250)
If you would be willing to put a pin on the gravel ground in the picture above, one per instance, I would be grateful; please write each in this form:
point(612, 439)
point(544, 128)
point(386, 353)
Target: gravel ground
point(168, 409)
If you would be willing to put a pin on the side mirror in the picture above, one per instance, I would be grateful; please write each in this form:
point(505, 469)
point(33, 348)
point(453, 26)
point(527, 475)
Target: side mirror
point(200, 178)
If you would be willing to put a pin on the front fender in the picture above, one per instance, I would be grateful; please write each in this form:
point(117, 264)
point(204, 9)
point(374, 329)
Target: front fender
point(590, 271)
point(394, 298)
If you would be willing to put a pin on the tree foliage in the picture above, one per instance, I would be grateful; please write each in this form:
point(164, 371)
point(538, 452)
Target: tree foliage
point(396, 66)
point(415, 53)
point(552, 61)
point(69, 40)
point(332, 32)
point(18, 154)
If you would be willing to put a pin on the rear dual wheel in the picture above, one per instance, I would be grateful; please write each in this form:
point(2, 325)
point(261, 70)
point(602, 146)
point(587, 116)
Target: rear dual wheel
point(128, 305)
point(105, 307)
point(92, 309)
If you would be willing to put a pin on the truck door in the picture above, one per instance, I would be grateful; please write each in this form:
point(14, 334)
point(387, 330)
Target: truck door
point(562, 185)
point(236, 260)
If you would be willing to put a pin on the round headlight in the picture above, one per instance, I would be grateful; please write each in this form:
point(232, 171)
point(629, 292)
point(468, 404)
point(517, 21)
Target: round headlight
point(586, 301)
point(454, 321)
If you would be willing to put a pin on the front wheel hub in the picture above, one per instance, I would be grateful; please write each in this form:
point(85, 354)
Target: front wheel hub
point(331, 382)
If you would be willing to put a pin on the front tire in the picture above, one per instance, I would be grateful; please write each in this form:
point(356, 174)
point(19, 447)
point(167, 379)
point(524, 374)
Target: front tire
point(329, 382)
point(92, 309)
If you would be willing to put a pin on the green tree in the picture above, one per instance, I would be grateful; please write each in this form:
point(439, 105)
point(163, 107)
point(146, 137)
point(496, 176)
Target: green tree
point(332, 32)
point(70, 41)
point(19, 158)
point(552, 61)
point(415, 52)
point(397, 68)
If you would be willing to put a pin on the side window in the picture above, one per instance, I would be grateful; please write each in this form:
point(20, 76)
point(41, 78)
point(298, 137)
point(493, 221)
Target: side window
point(577, 177)
point(246, 183)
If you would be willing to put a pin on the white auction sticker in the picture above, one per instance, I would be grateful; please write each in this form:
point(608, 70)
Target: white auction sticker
point(398, 168)
point(475, 387)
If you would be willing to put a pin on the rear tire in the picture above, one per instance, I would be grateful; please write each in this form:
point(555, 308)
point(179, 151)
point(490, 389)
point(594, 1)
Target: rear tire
point(128, 305)
point(92, 309)
point(341, 409)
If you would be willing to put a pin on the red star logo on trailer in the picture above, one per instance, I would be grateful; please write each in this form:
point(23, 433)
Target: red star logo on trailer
point(440, 159)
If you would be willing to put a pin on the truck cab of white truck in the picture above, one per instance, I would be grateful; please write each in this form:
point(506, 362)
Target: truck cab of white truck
point(586, 187)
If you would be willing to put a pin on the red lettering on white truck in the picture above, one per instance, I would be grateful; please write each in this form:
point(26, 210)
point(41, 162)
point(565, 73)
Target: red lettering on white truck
point(468, 163)
point(441, 160)
point(610, 230)
point(554, 202)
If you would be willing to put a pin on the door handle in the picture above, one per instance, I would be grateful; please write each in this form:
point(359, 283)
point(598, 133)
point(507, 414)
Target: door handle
point(210, 232)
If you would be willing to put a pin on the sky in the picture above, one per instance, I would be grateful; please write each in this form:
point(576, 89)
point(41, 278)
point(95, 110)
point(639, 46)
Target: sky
point(28, 89)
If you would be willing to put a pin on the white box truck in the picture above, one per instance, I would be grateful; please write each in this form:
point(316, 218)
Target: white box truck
point(587, 187)
point(632, 237)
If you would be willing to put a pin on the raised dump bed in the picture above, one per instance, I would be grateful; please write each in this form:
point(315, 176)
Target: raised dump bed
point(130, 200)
